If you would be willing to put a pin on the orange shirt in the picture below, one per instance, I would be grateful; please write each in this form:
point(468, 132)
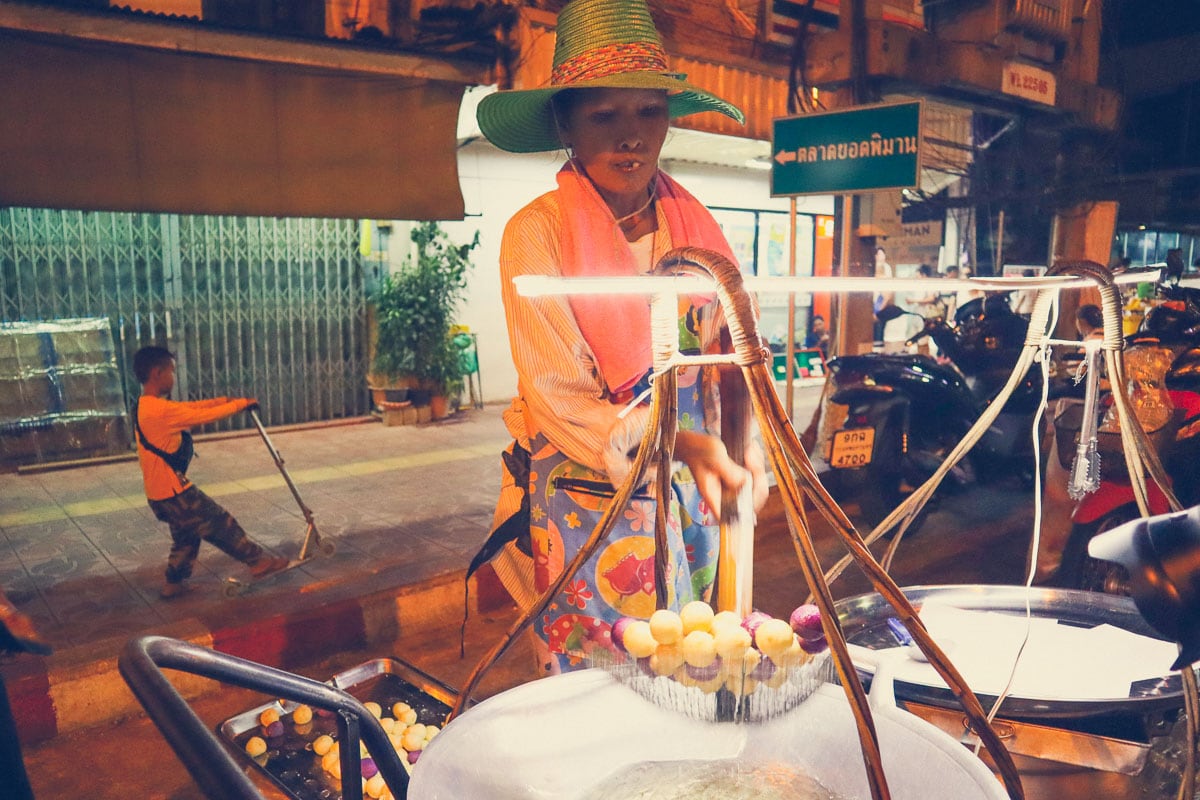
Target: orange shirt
point(161, 422)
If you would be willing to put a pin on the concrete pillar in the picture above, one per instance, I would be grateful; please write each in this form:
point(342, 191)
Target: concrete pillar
point(1082, 232)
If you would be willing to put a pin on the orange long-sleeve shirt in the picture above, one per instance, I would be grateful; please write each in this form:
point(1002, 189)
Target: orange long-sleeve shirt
point(162, 421)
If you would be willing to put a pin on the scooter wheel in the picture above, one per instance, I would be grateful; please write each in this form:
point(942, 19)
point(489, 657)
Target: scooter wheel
point(231, 589)
point(328, 548)
point(1080, 571)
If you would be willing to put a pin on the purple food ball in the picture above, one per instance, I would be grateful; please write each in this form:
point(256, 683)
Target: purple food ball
point(753, 620)
point(618, 631)
point(274, 730)
point(806, 622)
point(413, 755)
point(813, 646)
point(704, 674)
point(369, 768)
point(763, 670)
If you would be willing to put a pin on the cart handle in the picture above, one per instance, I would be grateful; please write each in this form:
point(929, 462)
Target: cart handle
point(208, 762)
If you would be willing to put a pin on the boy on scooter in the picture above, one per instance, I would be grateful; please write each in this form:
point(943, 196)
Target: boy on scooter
point(164, 447)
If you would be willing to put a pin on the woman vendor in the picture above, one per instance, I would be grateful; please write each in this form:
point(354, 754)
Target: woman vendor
point(584, 360)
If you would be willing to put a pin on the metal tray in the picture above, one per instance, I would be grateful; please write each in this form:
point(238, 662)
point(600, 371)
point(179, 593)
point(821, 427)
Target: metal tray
point(864, 620)
point(290, 762)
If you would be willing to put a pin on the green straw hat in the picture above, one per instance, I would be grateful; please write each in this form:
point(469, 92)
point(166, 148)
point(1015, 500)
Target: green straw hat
point(600, 44)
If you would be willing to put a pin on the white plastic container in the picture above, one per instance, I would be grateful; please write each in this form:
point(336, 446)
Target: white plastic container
point(558, 737)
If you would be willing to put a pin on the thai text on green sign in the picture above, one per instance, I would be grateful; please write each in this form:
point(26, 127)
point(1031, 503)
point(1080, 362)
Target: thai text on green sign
point(863, 149)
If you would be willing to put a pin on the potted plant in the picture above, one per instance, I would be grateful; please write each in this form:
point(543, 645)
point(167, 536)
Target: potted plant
point(413, 311)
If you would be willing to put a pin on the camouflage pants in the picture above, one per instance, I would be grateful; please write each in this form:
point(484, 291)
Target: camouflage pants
point(194, 516)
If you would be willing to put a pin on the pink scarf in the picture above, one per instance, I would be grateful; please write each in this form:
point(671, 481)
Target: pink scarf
point(617, 327)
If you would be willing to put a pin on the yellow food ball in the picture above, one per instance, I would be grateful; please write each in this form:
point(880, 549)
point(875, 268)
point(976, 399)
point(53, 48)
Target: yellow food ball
point(750, 660)
point(409, 717)
point(665, 659)
point(322, 744)
point(665, 626)
point(696, 616)
point(255, 746)
point(699, 648)
point(411, 742)
point(711, 685)
point(731, 642)
point(774, 637)
point(400, 708)
point(335, 769)
point(271, 715)
point(302, 715)
point(376, 786)
point(726, 619)
point(684, 678)
point(639, 641)
point(431, 731)
point(375, 709)
point(329, 761)
point(793, 657)
point(388, 724)
point(741, 685)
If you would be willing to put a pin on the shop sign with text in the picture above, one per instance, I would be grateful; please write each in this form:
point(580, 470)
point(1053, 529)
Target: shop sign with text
point(859, 150)
point(1029, 83)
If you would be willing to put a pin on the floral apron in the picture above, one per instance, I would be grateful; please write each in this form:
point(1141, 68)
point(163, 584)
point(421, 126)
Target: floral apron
point(567, 501)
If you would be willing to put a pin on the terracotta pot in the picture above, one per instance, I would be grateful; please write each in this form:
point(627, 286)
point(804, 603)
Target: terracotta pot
point(439, 408)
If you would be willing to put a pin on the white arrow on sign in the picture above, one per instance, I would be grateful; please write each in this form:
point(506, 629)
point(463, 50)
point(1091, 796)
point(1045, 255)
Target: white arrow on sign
point(785, 156)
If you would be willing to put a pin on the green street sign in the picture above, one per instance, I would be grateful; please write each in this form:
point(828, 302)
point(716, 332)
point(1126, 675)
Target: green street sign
point(835, 152)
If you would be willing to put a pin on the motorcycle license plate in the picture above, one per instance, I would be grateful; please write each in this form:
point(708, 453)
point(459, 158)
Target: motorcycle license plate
point(852, 448)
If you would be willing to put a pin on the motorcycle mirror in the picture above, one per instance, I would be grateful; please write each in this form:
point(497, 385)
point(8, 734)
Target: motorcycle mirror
point(888, 313)
point(1161, 555)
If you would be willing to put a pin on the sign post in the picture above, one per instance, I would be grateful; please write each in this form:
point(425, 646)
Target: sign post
point(862, 149)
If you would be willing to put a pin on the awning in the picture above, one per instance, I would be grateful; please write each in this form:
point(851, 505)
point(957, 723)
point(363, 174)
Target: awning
point(89, 124)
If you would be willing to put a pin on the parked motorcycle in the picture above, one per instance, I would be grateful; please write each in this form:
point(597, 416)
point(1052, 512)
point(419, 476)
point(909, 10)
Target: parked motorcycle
point(1170, 332)
point(905, 412)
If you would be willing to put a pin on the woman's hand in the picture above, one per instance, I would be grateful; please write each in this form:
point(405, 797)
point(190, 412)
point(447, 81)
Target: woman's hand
point(714, 471)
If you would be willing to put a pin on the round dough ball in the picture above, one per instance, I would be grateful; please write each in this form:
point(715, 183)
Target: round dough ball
point(696, 616)
point(731, 642)
point(376, 786)
point(322, 744)
point(302, 715)
point(375, 709)
point(431, 731)
point(399, 709)
point(414, 740)
point(666, 626)
point(268, 716)
point(665, 659)
point(255, 746)
point(699, 648)
point(639, 641)
point(725, 618)
point(774, 637)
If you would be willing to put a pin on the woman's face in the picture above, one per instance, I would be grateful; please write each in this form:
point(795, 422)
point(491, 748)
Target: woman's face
point(617, 135)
